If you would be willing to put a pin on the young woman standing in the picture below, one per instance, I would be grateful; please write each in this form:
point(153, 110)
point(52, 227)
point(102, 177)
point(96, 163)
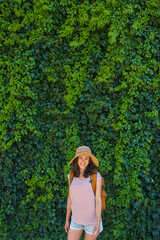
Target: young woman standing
point(82, 203)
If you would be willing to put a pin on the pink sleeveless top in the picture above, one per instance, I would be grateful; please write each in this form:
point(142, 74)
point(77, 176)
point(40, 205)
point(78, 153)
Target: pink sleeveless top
point(83, 201)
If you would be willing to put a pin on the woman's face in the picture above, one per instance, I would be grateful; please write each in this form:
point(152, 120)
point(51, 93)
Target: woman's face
point(83, 162)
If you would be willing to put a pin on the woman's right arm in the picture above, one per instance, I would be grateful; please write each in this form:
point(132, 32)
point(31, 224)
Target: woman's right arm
point(68, 212)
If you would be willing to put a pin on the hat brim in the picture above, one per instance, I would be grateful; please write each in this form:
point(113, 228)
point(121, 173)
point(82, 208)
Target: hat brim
point(93, 158)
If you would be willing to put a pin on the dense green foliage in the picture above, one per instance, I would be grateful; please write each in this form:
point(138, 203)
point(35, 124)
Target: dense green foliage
point(79, 73)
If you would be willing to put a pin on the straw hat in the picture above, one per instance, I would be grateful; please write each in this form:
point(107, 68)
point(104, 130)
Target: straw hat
point(84, 150)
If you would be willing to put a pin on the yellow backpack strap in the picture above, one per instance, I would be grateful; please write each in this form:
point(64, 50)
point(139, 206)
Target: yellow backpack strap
point(103, 195)
point(94, 181)
point(71, 177)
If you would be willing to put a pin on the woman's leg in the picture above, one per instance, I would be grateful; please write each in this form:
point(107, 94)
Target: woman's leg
point(89, 237)
point(74, 234)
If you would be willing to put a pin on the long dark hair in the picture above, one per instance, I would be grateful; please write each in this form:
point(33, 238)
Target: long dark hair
point(90, 169)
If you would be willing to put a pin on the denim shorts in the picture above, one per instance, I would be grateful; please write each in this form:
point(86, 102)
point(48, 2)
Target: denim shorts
point(87, 228)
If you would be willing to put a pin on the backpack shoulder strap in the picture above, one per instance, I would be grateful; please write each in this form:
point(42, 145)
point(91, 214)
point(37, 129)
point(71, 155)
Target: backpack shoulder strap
point(94, 181)
point(71, 177)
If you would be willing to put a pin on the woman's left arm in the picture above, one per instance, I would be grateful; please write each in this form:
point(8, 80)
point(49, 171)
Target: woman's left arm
point(98, 210)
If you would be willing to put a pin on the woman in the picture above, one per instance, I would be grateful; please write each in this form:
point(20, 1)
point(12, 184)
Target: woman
point(82, 203)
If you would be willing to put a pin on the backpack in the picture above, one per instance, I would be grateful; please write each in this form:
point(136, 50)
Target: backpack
point(94, 182)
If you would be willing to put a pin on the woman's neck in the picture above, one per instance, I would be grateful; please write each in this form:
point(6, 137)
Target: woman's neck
point(81, 173)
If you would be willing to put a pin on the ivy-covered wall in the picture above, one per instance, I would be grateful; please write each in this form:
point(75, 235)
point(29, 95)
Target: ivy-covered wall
point(79, 73)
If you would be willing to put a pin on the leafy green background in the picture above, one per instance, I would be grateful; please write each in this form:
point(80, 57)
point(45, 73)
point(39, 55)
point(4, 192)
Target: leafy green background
point(79, 73)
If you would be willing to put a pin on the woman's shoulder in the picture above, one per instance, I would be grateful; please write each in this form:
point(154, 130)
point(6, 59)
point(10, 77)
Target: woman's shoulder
point(71, 172)
point(98, 176)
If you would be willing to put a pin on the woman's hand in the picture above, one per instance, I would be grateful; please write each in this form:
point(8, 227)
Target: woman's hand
point(96, 230)
point(67, 227)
